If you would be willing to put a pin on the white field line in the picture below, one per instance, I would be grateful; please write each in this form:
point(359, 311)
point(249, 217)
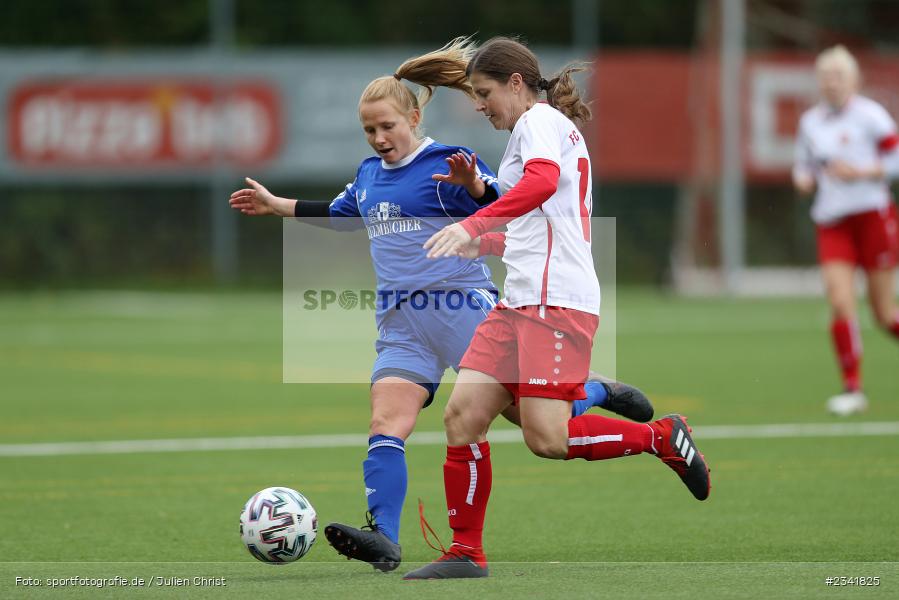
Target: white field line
point(353, 440)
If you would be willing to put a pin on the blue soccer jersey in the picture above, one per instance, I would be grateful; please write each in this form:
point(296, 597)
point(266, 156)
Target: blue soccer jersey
point(401, 206)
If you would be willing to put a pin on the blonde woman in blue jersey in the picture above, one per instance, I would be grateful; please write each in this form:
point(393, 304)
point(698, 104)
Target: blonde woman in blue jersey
point(401, 202)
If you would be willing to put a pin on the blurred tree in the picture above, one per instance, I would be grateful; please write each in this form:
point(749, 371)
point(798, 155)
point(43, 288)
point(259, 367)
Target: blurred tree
point(815, 24)
point(647, 23)
point(104, 23)
point(353, 23)
point(407, 22)
point(138, 23)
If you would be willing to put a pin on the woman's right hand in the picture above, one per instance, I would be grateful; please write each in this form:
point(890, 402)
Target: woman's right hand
point(471, 250)
point(452, 240)
point(804, 183)
point(257, 200)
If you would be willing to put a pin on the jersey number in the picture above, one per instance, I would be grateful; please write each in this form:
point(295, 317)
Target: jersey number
point(583, 168)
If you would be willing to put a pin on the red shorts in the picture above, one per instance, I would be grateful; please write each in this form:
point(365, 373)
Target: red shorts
point(869, 239)
point(532, 355)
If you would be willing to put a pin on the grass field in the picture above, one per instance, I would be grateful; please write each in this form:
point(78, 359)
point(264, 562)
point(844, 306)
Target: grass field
point(784, 513)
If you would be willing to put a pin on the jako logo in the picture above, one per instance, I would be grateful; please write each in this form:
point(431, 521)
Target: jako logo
point(534, 381)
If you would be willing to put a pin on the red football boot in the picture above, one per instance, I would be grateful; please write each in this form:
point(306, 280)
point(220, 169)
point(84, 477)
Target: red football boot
point(673, 444)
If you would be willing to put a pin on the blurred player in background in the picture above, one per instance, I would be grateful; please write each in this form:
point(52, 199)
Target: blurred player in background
point(846, 151)
point(534, 348)
point(399, 187)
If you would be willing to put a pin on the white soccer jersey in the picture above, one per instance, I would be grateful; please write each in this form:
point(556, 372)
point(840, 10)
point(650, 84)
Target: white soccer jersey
point(855, 135)
point(548, 258)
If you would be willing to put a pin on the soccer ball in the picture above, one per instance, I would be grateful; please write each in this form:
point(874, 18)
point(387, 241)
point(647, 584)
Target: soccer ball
point(278, 525)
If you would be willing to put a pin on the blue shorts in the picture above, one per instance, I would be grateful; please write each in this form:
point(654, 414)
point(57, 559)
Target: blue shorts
point(417, 341)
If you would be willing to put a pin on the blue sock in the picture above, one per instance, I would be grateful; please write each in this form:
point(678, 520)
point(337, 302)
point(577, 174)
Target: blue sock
point(386, 479)
point(596, 396)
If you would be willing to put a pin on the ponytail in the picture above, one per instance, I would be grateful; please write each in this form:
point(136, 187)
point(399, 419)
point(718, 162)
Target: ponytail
point(444, 68)
point(499, 57)
point(563, 95)
point(441, 68)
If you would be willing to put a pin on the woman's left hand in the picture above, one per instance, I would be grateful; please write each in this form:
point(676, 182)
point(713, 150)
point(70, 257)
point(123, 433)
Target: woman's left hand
point(462, 170)
point(452, 240)
point(843, 170)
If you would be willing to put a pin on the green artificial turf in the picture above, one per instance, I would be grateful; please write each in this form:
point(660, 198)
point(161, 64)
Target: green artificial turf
point(784, 513)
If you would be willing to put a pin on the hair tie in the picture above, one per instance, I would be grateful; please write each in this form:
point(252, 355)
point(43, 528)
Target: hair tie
point(543, 84)
point(397, 76)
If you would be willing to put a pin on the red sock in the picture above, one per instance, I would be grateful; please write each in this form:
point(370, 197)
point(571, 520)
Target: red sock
point(593, 437)
point(894, 328)
point(848, 346)
point(467, 477)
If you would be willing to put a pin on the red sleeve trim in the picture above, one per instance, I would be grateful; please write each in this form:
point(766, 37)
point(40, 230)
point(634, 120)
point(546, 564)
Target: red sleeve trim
point(537, 185)
point(544, 161)
point(469, 226)
point(888, 143)
point(492, 243)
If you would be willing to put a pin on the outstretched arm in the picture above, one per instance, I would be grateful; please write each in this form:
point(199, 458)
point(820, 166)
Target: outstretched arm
point(314, 212)
point(257, 201)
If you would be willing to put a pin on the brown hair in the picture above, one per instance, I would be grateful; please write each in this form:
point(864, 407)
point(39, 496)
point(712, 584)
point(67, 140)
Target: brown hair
point(502, 56)
point(444, 67)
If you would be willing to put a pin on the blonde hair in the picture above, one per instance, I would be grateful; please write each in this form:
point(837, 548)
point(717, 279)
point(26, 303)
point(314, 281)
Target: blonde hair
point(838, 56)
point(502, 56)
point(444, 67)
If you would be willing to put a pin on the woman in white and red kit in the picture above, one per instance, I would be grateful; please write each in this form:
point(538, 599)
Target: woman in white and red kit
point(534, 349)
point(847, 148)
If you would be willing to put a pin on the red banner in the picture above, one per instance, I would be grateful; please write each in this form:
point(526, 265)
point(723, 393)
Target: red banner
point(641, 127)
point(657, 113)
point(137, 124)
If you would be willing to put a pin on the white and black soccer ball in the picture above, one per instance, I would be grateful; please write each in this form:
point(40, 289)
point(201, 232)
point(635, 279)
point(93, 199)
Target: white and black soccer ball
point(278, 525)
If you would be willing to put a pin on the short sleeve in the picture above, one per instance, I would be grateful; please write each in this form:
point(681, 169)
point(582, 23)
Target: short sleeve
point(540, 138)
point(344, 209)
point(345, 205)
point(882, 126)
